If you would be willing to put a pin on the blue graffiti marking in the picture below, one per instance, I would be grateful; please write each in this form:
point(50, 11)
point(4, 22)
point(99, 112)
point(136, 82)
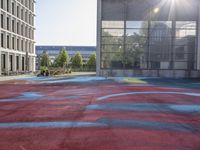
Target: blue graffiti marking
point(149, 93)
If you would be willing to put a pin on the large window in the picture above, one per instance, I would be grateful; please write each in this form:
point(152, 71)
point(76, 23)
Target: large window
point(2, 40)
point(3, 62)
point(8, 41)
point(2, 21)
point(136, 44)
point(160, 44)
point(13, 8)
point(23, 63)
point(185, 45)
point(8, 5)
point(17, 62)
point(11, 63)
point(2, 4)
point(112, 47)
point(13, 42)
point(8, 23)
point(134, 35)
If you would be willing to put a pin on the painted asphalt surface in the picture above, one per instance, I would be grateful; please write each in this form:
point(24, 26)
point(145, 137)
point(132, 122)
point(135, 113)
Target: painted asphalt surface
point(96, 113)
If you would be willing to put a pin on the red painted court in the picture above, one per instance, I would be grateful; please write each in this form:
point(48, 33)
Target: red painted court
point(91, 113)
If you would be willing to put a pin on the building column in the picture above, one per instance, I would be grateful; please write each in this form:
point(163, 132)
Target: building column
point(20, 62)
point(7, 69)
point(99, 18)
point(14, 63)
point(0, 63)
point(5, 40)
point(198, 48)
point(33, 66)
point(32, 62)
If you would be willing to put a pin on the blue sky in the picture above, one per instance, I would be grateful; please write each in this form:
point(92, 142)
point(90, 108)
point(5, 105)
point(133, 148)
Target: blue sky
point(66, 22)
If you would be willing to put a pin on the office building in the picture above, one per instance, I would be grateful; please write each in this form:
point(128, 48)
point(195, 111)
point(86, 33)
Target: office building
point(148, 38)
point(17, 37)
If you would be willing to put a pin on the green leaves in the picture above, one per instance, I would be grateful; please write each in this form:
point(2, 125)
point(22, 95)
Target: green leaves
point(92, 61)
point(63, 59)
point(45, 61)
point(77, 61)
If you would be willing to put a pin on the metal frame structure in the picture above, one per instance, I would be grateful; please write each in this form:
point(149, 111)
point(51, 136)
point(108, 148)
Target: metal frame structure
point(171, 71)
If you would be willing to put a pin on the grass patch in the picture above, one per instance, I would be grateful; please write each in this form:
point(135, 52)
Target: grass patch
point(135, 80)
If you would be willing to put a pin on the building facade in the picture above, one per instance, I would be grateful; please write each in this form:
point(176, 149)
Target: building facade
point(148, 38)
point(53, 52)
point(17, 36)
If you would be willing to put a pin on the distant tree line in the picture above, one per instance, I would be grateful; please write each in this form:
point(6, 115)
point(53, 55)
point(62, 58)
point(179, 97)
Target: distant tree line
point(64, 61)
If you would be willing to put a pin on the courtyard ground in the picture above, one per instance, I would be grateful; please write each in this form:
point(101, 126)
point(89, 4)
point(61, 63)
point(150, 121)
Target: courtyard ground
point(97, 113)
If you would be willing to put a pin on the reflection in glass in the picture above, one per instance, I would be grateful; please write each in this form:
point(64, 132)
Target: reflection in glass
point(186, 24)
point(136, 40)
point(185, 53)
point(134, 57)
point(137, 24)
point(136, 32)
point(112, 24)
point(112, 60)
point(112, 32)
point(160, 44)
point(112, 40)
point(112, 48)
point(185, 45)
point(152, 47)
point(185, 33)
point(161, 24)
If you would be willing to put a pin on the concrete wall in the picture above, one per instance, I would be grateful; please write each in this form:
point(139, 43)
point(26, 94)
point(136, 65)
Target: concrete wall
point(98, 54)
point(151, 73)
point(198, 49)
point(30, 65)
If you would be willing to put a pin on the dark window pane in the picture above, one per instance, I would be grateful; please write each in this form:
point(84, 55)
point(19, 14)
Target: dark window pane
point(186, 10)
point(139, 10)
point(112, 10)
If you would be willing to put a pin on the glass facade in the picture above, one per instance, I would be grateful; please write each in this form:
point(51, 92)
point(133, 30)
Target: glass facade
point(135, 36)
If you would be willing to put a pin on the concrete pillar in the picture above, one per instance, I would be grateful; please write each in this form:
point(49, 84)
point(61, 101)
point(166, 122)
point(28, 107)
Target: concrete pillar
point(20, 62)
point(198, 48)
point(5, 40)
point(15, 5)
point(7, 63)
point(15, 38)
point(14, 63)
point(15, 26)
point(33, 66)
point(0, 55)
point(29, 64)
point(0, 62)
point(98, 60)
point(10, 41)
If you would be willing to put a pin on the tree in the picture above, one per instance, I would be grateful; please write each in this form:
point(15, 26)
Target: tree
point(77, 61)
point(63, 59)
point(45, 61)
point(92, 61)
